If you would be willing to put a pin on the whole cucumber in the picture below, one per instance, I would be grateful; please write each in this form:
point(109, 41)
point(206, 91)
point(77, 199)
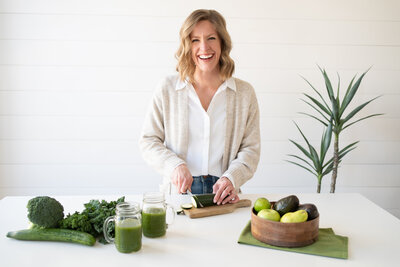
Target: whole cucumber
point(54, 234)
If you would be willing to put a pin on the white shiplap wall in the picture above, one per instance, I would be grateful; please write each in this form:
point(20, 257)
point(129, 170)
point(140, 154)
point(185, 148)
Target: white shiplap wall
point(76, 78)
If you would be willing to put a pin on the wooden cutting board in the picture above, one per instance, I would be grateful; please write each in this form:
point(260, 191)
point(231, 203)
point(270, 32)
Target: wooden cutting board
point(216, 210)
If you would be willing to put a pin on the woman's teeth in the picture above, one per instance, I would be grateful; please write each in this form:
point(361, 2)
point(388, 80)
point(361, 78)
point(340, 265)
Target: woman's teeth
point(205, 56)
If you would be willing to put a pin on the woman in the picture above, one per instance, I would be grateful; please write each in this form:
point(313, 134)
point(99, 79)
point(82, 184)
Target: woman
point(202, 129)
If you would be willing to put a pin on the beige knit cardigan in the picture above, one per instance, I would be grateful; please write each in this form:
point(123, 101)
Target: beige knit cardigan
point(164, 138)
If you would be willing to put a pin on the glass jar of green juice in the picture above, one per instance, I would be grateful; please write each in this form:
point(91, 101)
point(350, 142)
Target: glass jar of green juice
point(128, 227)
point(154, 214)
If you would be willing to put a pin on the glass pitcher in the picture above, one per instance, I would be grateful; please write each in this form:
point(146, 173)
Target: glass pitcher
point(154, 210)
point(128, 227)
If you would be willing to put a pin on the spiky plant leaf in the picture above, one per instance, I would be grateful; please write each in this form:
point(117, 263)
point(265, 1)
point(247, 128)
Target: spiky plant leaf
point(326, 141)
point(315, 159)
point(343, 152)
point(300, 166)
point(305, 152)
point(318, 93)
point(322, 107)
point(304, 137)
point(373, 115)
point(344, 105)
point(297, 157)
point(356, 110)
point(334, 102)
point(347, 99)
point(312, 116)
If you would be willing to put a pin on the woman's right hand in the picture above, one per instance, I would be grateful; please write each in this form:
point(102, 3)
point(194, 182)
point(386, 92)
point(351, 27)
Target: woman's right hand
point(182, 178)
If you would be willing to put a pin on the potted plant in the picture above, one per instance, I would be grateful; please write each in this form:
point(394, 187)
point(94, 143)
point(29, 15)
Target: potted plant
point(334, 115)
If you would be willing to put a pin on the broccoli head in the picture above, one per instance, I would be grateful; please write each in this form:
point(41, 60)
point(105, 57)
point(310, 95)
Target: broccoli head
point(45, 211)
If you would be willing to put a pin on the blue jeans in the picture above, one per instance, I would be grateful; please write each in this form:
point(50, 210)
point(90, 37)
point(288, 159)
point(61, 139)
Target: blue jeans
point(203, 184)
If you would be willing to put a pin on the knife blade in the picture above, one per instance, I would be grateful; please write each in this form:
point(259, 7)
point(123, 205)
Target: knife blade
point(190, 194)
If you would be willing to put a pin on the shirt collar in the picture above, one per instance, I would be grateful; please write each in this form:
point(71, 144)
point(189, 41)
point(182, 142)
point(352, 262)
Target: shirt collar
point(181, 84)
point(230, 83)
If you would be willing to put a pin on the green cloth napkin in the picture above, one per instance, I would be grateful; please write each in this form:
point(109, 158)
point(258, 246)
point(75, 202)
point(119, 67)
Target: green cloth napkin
point(328, 244)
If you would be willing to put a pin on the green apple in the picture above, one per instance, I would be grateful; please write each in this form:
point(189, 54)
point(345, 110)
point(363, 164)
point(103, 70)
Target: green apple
point(269, 214)
point(261, 204)
point(295, 217)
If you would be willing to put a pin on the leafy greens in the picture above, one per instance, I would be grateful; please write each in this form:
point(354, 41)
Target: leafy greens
point(92, 218)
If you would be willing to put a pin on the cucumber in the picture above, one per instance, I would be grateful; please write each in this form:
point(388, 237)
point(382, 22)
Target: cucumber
point(53, 234)
point(204, 200)
point(187, 206)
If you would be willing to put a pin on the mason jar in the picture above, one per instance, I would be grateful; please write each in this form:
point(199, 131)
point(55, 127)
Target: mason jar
point(128, 227)
point(154, 214)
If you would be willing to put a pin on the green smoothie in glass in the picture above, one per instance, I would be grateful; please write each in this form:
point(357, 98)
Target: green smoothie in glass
point(154, 222)
point(128, 227)
point(128, 235)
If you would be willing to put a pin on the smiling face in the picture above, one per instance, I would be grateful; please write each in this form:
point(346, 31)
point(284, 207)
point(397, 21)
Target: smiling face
point(206, 47)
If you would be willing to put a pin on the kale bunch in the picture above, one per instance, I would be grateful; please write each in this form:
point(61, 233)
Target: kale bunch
point(78, 221)
point(92, 218)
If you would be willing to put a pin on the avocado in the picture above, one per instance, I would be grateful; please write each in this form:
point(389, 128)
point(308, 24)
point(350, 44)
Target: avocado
point(311, 210)
point(286, 204)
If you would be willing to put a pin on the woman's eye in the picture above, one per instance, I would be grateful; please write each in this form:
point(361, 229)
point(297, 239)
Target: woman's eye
point(195, 40)
point(211, 38)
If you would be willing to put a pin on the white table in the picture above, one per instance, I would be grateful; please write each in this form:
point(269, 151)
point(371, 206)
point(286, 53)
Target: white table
point(374, 238)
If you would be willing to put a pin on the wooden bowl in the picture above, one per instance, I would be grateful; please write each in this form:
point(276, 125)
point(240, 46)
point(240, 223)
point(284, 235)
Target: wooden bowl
point(284, 234)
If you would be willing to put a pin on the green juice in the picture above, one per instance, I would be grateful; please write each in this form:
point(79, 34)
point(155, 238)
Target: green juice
point(128, 235)
point(153, 221)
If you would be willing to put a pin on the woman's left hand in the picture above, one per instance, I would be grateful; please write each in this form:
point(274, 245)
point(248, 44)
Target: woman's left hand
point(224, 192)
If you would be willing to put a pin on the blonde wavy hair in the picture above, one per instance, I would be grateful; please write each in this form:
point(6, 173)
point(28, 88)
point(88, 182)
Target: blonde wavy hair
point(186, 66)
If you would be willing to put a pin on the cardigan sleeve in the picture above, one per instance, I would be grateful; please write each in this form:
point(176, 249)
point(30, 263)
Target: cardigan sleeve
point(152, 138)
point(243, 166)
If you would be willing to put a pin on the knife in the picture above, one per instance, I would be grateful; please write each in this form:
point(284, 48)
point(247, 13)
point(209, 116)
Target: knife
point(194, 196)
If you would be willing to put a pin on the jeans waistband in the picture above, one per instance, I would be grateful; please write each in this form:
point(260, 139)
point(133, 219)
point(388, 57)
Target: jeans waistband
point(205, 176)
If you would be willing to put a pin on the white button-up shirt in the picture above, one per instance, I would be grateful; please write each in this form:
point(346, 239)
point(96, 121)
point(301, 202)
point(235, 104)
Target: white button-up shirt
point(206, 130)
